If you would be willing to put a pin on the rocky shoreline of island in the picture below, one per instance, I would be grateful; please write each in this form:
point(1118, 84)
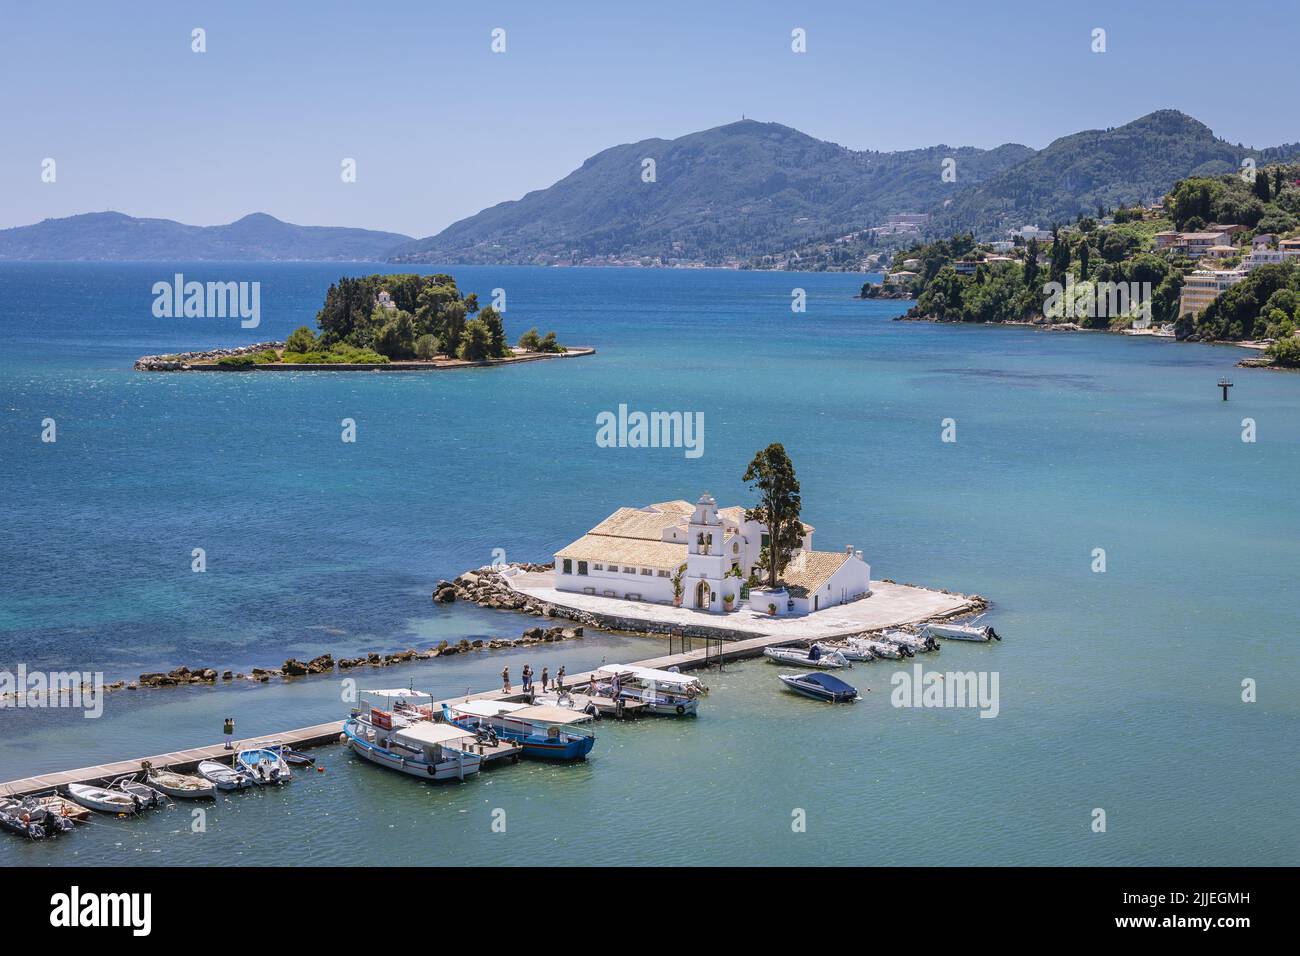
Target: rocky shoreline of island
point(211, 360)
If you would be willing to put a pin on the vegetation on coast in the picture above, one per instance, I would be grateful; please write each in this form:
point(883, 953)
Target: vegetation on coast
point(1066, 279)
point(379, 319)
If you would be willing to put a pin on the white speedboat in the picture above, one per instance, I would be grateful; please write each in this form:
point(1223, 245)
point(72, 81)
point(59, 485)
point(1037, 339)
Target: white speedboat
point(223, 776)
point(667, 693)
point(962, 632)
point(392, 728)
point(105, 801)
point(264, 765)
point(179, 785)
point(797, 655)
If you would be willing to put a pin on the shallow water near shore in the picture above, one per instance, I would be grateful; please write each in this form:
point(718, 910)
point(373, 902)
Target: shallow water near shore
point(1119, 690)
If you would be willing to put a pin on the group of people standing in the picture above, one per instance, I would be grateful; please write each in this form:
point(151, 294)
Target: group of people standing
point(527, 677)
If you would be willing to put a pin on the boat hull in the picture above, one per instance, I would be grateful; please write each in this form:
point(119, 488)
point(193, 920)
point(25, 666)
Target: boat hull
point(469, 765)
point(223, 777)
point(96, 798)
point(818, 693)
point(537, 746)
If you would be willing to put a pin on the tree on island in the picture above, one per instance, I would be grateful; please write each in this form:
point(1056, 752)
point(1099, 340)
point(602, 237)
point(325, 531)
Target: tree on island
point(476, 344)
point(771, 475)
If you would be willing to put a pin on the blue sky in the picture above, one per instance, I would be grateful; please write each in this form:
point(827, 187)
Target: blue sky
point(441, 127)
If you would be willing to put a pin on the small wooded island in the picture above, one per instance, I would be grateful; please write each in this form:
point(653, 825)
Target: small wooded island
point(402, 321)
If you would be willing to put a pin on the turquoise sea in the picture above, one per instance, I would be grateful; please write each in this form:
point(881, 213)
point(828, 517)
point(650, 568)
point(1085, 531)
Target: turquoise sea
point(1119, 690)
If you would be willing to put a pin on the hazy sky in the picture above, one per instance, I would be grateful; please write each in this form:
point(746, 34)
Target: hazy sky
point(441, 127)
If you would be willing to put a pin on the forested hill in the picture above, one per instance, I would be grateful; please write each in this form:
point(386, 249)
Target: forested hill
point(730, 192)
point(1128, 164)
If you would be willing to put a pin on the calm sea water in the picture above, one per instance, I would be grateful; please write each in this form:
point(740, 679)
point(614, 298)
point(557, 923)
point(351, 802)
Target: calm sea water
point(1119, 690)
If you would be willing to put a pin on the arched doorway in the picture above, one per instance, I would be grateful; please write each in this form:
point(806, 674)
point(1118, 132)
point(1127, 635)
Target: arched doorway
point(702, 594)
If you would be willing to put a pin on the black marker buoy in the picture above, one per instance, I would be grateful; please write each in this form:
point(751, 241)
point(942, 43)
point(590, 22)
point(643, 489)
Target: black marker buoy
point(1225, 385)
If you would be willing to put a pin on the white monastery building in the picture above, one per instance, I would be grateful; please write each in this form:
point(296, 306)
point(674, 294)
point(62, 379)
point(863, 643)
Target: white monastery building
point(634, 553)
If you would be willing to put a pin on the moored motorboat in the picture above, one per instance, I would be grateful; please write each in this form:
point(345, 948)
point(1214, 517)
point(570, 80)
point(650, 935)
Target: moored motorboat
point(795, 655)
point(883, 649)
point(393, 729)
point(545, 731)
point(918, 643)
point(820, 686)
point(105, 801)
point(666, 693)
point(961, 632)
point(28, 817)
point(223, 776)
point(264, 765)
point(145, 795)
point(849, 650)
point(60, 805)
point(179, 785)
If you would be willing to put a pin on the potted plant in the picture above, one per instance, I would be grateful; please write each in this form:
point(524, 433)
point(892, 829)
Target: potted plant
point(771, 609)
point(677, 585)
point(728, 599)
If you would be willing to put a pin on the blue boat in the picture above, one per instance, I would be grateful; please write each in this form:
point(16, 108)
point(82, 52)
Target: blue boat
point(544, 731)
point(820, 686)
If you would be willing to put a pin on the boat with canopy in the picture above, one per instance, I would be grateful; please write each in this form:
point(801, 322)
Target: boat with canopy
point(395, 729)
point(667, 693)
point(545, 731)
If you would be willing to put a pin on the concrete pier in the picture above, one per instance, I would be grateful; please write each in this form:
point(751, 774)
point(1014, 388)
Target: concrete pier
point(911, 605)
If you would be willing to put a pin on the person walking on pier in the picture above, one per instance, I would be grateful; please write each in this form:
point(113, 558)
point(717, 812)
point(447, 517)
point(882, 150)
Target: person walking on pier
point(545, 680)
point(559, 677)
point(505, 679)
point(528, 678)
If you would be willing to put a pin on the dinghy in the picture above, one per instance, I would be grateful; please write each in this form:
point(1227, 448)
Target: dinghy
point(179, 785)
point(961, 632)
point(797, 655)
point(105, 801)
point(224, 777)
point(264, 765)
point(825, 687)
point(53, 821)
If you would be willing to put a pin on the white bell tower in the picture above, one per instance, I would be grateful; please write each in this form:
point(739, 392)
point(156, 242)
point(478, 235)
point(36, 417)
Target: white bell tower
point(706, 558)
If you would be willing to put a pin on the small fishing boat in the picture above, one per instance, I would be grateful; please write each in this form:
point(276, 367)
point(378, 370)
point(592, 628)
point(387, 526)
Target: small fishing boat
point(818, 686)
point(179, 785)
point(973, 631)
point(105, 801)
point(53, 821)
point(142, 792)
point(404, 738)
point(545, 731)
point(797, 655)
point(296, 758)
point(61, 806)
point(264, 765)
point(223, 776)
point(666, 693)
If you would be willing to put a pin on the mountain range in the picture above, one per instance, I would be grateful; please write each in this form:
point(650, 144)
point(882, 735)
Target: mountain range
point(719, 196)
point(114, 236)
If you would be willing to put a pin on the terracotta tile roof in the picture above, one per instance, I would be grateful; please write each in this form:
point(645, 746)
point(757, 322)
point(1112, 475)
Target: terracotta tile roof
point(635, 523)
point(680, 506)
point(810, 570)
point(633, 552)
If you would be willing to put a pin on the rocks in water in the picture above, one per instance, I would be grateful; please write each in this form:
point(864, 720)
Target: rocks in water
point(444, 592)
point(182, 361)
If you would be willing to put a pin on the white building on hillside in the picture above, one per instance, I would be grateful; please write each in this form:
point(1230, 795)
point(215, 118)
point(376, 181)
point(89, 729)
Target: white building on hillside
point(634, 553)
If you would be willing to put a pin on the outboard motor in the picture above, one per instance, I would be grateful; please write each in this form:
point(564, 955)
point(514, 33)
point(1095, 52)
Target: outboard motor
point(994, 634)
